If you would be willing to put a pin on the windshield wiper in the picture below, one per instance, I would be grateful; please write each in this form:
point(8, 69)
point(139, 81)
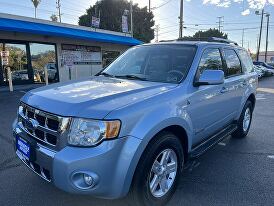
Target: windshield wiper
point(131, 76)
point(106, 74)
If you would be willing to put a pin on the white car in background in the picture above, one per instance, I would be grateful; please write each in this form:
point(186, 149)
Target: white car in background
point(266, 71)
point(259, 71)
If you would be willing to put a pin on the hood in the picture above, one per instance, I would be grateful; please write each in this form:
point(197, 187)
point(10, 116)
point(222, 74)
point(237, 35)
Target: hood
point(92, 98)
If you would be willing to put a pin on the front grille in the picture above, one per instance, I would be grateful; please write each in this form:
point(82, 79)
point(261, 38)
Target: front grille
point(42, 126)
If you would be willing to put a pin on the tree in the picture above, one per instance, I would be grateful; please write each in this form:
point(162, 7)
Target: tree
point(54, 18)
point(111, 12)
point(204, 35)
point(35, 4)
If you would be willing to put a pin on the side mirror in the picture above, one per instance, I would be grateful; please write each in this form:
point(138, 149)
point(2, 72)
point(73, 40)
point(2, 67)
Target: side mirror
point(211, 77)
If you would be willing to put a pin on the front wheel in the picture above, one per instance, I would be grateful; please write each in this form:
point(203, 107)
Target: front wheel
point(158, 171)
point(244, 121)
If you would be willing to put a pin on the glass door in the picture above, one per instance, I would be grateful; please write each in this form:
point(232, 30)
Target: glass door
point(18, 63)
point(43, 57)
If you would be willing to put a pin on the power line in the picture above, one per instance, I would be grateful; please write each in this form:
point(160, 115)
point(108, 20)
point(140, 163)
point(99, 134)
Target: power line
point(153, 8)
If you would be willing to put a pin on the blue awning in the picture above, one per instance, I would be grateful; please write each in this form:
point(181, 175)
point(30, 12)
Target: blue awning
point(59, 31)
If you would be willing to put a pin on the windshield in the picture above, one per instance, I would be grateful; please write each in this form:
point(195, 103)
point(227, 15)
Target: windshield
point(158, 63)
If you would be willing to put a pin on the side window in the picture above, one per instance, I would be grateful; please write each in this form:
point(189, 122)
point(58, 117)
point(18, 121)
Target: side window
point(246, 61)
point(211, 59)
point(233, 63)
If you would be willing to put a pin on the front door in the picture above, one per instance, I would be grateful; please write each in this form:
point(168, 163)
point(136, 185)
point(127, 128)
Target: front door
point(18, 62)
point(208, 108)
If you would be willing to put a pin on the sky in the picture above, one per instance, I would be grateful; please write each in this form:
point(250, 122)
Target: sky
point(237, 15)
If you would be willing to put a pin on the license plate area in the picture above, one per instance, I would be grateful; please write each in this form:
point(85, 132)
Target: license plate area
point(25, 149)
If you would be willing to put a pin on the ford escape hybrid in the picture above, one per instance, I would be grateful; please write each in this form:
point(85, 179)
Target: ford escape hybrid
point(130, 129)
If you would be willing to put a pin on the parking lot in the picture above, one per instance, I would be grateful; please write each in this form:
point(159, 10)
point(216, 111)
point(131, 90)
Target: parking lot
point(235, 172)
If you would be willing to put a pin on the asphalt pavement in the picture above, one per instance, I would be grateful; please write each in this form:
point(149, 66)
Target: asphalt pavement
point(234, 172)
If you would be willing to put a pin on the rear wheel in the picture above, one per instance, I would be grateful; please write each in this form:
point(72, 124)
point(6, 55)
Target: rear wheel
point(158, 171)
point(244, 121)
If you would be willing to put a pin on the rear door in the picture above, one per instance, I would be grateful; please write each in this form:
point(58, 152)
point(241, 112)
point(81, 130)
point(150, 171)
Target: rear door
point(235, 81)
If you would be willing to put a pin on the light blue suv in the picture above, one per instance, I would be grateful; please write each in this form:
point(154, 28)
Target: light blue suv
point(133, 127)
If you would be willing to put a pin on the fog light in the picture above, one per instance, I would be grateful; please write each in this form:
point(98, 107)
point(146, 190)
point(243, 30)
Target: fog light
point(84, 179)
point(88, 179)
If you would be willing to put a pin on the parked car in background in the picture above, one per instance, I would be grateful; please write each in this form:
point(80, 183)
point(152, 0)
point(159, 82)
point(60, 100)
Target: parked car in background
point(52, 71)
point(39, 74)
point(266, 65)
point(133, 127)
point(271, 64)
point(266, 71)
point(20, 75)
point(259, 71)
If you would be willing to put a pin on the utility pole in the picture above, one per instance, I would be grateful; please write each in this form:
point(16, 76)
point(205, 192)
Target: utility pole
point(266, 43)
point(257, 42)
point(243, 33)
point(181, 20)
point(220, 21)
point(58, 7)
point(260, 35)
point(131, 18)
point(149, 4)
point(157, 32)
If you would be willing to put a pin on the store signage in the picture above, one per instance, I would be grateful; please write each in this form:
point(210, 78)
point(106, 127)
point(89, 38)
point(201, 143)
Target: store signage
point(95, 22)
point(84, 55)
point(5, 61)
point(124, 24)
point(5, 57)
point(5, 53)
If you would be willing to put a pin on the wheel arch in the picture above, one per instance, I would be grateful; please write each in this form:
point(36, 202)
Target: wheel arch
point(252, 99)
point(178, 131)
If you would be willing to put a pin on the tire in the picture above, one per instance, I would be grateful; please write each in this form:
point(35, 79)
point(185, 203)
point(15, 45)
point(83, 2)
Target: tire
point(163, 144)
point(242, 129)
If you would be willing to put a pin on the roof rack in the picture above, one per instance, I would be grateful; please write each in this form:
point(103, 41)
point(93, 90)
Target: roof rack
point(168, 40)
point(221, 40)
point(205, 39)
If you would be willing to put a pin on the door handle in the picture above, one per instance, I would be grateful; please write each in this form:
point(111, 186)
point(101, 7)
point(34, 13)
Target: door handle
point(224, 90)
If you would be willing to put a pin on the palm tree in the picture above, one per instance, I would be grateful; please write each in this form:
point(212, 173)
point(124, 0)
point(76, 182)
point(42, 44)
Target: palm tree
point(35, 4)
point(54, 18)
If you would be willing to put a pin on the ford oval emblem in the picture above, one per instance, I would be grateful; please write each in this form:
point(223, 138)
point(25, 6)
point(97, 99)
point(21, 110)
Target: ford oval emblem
point(34, 123)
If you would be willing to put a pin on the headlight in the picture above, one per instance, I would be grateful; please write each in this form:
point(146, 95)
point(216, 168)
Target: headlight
point(85, 132)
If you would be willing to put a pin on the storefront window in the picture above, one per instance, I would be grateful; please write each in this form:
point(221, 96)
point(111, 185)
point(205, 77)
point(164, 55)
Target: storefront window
point(43, 57)
point(17, 62)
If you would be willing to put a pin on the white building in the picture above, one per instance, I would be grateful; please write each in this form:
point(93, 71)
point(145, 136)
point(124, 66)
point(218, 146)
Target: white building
point(65, 51)
point(270, 56)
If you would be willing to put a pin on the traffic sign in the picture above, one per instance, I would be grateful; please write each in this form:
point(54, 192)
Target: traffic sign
point(5, 61)
point(5, 53)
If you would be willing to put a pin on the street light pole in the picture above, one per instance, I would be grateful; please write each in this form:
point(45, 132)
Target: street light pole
point(260, 36)
point(181, 20)
point(157, 32)
point(266, 44)
point(131, 18)
point(243, 37)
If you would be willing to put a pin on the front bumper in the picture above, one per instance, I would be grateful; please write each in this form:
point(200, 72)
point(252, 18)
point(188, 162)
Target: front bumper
point(112, 164)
